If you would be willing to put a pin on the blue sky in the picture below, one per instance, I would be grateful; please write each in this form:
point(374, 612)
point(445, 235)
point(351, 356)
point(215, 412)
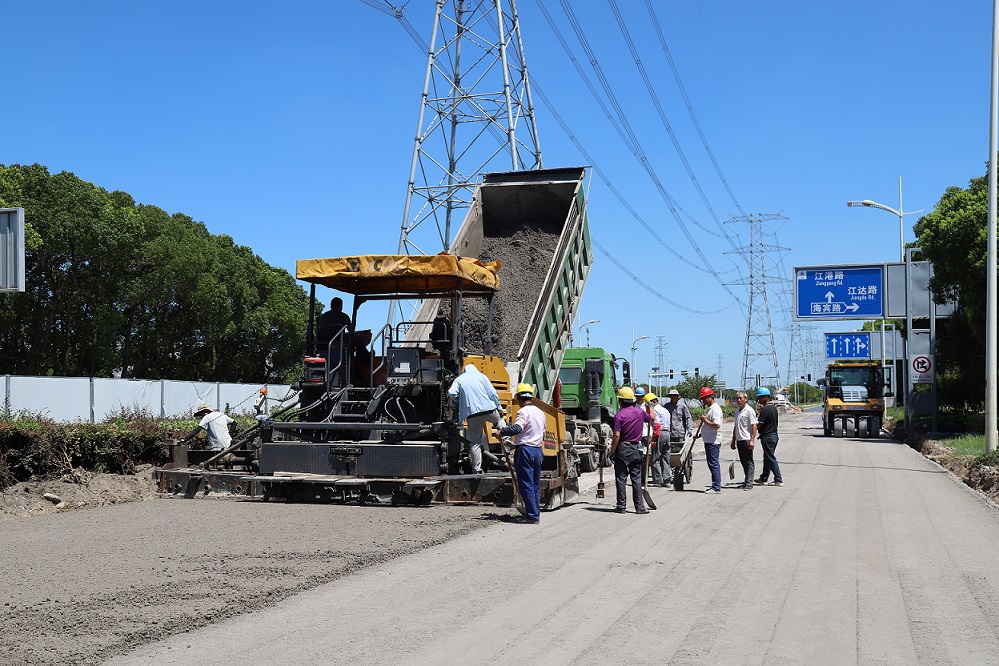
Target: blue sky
point(290, 127)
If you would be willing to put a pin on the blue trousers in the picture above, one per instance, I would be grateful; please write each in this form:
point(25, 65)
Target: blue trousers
point(711, 452)
point(527, 462)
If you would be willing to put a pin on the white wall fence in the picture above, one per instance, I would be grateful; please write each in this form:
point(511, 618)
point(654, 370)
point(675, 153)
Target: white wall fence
point(92, 399)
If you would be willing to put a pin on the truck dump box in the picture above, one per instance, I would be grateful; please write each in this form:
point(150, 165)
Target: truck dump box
point(534, 223)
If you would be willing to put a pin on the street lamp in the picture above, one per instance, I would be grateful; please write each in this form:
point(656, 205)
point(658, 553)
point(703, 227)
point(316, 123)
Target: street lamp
point(587, 327)
point(634, 347)
point(873, 204)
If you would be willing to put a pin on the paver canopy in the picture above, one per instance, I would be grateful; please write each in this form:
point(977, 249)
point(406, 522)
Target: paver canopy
point(393, 273)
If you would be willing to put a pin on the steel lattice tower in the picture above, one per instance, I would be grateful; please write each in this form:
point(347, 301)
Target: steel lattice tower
point(759, 347)
point(476, 116)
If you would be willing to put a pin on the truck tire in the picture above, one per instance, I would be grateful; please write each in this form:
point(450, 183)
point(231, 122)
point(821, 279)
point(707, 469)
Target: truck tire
point(840, 428)
point(589, 460)
point(875, 427)
point(826, 428)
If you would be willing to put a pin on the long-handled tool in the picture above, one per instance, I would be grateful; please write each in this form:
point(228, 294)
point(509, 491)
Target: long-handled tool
point(601, 491)
point(645, 472)
point(506, 444)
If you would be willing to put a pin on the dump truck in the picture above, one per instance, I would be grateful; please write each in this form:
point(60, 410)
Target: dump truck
point(373, 422)
point(854, 403)
point(588, 396)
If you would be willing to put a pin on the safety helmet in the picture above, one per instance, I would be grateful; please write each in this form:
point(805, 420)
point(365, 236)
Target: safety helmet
point(639, 392)
point(763, 390)
point(705, 392)
point(649, 397)
point(524, 390)
point(625, 393)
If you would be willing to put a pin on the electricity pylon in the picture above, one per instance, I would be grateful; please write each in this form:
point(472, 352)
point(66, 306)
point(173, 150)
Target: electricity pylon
point(476, 116)
point(759, 346)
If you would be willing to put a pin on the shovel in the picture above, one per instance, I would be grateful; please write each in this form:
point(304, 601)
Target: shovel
point(600, 473)
point(645, 472)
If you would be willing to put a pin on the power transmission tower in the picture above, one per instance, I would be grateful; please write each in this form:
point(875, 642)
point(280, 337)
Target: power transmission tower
point(476, 116)
point(759, 347)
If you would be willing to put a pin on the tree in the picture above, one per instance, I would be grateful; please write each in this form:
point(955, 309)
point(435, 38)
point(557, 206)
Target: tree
point(954, 237)
point(117, 288)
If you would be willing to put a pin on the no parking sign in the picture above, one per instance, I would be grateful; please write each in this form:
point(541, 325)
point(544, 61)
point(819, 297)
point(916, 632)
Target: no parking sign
point(921, 369)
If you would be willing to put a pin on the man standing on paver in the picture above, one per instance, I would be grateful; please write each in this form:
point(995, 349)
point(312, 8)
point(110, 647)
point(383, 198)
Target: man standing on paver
point(478, 403)
point(768, 438)
point(529, 429)
point(662, 473)
point(744, 437)
point(627, 451)
point(711, 423)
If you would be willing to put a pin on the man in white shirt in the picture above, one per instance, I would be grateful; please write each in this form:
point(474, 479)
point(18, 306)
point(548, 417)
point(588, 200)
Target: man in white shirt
point(711, 423)
point(744, 436)
point(529, 429)
point(217, 426)
point(478, 403)
point(662, 473)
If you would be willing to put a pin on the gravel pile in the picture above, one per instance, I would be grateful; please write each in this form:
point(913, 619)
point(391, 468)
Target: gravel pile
point(526, 255)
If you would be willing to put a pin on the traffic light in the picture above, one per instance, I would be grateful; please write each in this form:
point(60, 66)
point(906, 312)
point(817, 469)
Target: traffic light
point(683, 372)
point(697, 372)
point(671, 373)
point(809, 376)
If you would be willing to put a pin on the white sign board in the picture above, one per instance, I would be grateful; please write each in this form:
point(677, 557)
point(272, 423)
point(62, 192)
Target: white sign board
point(921, 369)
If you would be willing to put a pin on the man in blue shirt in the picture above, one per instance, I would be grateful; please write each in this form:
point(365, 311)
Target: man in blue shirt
point(478, 404)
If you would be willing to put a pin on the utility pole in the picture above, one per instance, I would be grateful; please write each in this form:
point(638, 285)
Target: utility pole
point(759, 345)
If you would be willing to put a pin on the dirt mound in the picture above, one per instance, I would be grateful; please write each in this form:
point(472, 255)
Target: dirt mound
point(983, 478)
point(78, 490)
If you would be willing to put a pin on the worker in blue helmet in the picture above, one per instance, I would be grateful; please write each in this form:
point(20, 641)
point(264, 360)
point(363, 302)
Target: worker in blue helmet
point(767, 432)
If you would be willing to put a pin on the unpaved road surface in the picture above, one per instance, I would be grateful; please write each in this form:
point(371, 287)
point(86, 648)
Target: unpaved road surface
point(868, 554)
point(82, 586)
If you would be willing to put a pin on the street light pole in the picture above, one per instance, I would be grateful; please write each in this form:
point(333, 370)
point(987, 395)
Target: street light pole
point(634, 347)
point(873, 204)
point(587, 327)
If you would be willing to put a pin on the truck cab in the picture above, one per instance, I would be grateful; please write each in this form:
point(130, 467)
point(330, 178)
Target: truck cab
point(588, 379)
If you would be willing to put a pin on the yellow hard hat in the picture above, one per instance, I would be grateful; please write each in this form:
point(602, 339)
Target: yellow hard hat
point(524, 388)
point(649, 397)
point(625, 393)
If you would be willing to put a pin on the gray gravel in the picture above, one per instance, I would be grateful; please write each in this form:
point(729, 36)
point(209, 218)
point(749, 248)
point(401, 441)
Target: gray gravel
point(526, 254)
point(84, 586)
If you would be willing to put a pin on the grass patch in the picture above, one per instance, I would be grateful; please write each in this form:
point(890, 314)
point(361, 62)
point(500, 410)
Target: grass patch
point(966, 445)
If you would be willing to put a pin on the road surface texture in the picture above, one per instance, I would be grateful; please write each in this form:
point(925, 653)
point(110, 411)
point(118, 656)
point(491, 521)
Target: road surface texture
point(868, 554)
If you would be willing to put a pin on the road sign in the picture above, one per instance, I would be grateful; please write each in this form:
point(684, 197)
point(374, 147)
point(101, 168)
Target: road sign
point(839, 292)
point(922, 369)
point(848, 345)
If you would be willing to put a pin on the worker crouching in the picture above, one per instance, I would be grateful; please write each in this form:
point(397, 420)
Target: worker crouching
point(528, 428)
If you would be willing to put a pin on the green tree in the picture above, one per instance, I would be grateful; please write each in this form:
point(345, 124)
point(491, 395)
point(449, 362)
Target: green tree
point(116, 288)
point(954, 237)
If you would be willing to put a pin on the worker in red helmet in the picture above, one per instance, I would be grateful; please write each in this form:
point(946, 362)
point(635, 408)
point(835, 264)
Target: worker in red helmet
point(711, 423)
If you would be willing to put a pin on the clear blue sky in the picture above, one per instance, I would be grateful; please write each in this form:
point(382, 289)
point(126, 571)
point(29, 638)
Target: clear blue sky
point(289, 126)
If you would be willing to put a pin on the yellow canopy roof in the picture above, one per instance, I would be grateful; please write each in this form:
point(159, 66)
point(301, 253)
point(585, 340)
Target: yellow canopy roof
point(400, 273)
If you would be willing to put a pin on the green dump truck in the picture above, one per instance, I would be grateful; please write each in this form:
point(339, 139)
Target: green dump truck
point(588, 378)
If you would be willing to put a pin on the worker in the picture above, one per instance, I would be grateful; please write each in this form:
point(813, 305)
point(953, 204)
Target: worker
point(478, 404)
point(680, 420)
point(330, 324)
point(744, 437)
point(662, 473)
point(529, 429)
point(627, 450)
point(711, 423)
point(217, 426)
point(768, 437)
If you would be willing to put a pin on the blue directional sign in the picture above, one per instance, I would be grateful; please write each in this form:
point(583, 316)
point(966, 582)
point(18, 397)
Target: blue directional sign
point(839, 292)
point(848, 345)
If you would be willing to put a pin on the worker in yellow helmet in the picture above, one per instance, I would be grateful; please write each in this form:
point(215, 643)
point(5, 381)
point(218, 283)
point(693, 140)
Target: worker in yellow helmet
point(627, 452)
point(529, 429)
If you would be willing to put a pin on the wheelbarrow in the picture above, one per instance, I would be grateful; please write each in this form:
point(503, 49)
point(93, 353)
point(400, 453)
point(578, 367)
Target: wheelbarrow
point(681, 459)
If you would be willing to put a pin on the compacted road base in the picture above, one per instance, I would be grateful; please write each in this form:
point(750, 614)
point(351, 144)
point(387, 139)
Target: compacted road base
point(868, 554)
